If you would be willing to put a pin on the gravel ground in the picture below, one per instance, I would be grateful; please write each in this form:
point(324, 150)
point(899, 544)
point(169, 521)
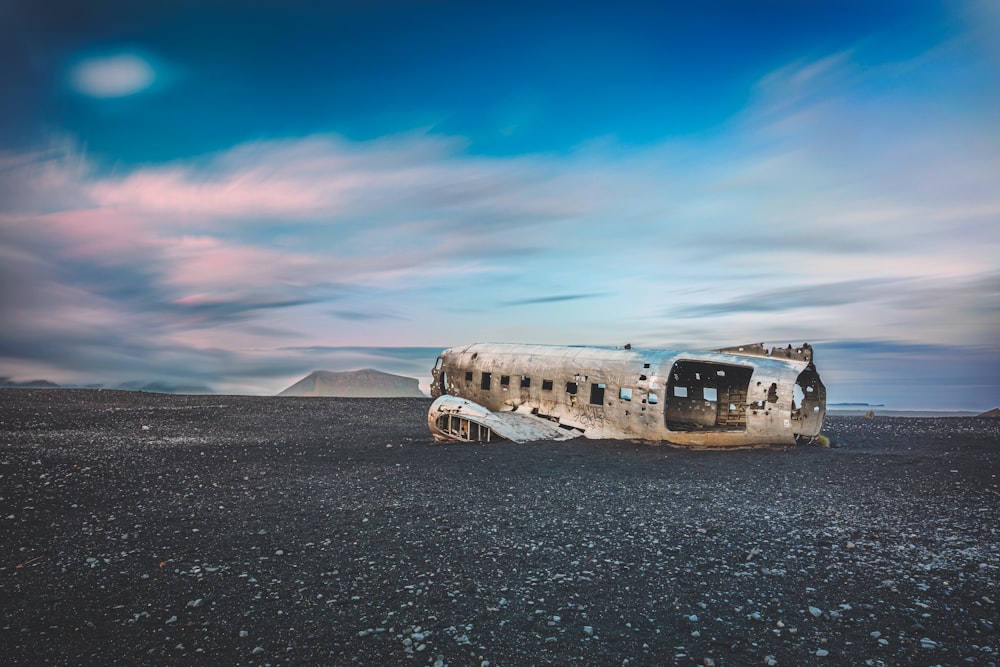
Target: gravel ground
point(152, 529)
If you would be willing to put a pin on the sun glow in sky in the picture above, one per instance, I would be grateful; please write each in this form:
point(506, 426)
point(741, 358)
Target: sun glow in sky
point(237, 194)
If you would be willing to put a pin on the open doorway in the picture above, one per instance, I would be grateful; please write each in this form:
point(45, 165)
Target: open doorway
point(706, 396)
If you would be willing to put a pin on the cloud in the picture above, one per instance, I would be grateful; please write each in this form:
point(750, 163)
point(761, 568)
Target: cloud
point(795, 298)
point(251, 192)
point(112, 76)
point(837, 205)
point(359, 315)
point(556, 298)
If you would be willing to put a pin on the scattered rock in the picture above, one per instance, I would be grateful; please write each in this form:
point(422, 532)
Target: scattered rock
point(524, 544)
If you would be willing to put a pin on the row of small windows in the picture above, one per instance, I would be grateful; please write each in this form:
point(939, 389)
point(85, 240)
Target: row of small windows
point(596, 390)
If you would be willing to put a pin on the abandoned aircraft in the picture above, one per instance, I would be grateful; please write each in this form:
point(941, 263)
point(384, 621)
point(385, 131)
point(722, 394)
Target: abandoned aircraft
point(733, 397)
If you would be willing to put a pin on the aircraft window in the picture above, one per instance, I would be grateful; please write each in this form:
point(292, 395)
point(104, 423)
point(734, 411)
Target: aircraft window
point(710, 393)
point(680, 391)
point(570, 387)
point(505, 380)
point(625, 393)
point(525, 381)
point(486, 381)
point(653, 398)
point(547, 385)
point(597, 394)
point(468, 376)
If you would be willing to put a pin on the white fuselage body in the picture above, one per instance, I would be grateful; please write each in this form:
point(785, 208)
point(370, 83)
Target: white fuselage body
point(685, 398)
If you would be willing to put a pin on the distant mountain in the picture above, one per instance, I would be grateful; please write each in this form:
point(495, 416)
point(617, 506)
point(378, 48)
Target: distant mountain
point(993, 414)
point(158, 387)
point(31, 384)
point(367, 383)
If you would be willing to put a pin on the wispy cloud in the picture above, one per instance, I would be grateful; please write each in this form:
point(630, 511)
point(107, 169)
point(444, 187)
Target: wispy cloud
point(362, 315)
point(835, 206)
point(554, 298)
point(795, 298)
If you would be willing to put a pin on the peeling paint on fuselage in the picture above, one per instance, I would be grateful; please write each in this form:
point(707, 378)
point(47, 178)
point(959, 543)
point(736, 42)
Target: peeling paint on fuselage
point(739, 396)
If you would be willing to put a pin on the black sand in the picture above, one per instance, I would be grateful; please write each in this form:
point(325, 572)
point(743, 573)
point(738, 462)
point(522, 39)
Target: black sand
point(149, 529)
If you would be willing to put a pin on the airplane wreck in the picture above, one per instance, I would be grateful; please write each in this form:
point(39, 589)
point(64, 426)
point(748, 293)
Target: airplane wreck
point(733, 397)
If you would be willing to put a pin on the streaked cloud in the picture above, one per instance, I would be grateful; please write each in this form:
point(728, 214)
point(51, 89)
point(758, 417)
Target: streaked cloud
point(363, 315)
point(555, 298)
point(795, 298)
point(834, 208)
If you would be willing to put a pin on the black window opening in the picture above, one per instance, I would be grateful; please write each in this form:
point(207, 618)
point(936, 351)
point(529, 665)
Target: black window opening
point(597, 394)
point(485, 384)
point(441, 377)
point(468, 376)
point(547, 385)
point(525, 381)
point(571, 388)
point(705, 396)
point(505, 380)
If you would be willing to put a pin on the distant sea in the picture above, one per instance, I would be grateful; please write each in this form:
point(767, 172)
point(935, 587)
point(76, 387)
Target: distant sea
point(882, 412)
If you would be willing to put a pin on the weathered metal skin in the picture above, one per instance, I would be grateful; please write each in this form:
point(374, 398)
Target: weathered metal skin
point(734, 397)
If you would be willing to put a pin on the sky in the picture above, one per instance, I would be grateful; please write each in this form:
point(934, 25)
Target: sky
point(236, 194)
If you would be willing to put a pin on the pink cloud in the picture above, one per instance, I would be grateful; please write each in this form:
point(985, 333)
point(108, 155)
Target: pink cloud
point(204, 265)
point(97, 233)
point(246, 193)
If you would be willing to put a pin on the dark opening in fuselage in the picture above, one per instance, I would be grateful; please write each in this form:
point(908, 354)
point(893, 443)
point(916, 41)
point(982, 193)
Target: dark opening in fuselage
point(707, 396)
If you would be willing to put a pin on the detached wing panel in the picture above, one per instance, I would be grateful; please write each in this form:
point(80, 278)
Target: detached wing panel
point(451, 418)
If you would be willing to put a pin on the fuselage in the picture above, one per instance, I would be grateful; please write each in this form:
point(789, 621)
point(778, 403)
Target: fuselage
point(734, 397)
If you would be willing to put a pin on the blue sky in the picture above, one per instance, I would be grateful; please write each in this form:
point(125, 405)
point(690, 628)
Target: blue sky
point(236, 194)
